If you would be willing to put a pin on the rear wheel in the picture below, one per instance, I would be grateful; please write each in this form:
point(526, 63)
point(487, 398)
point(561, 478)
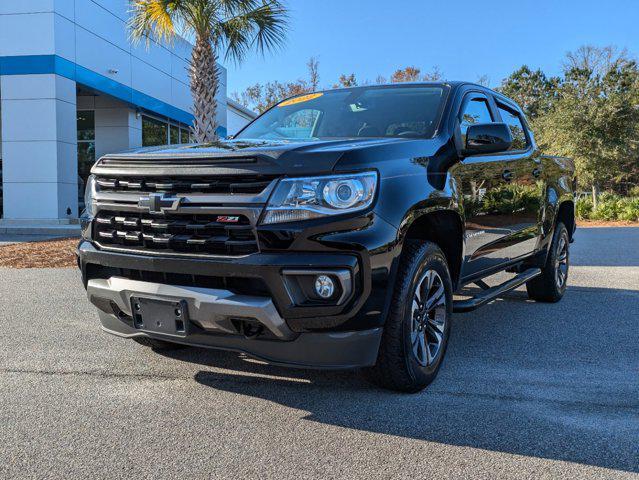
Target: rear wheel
point(551, 284)
point(418, 326)
point(158, 345)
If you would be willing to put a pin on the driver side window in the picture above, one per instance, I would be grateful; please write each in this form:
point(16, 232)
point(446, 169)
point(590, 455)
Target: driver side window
point(475, 111)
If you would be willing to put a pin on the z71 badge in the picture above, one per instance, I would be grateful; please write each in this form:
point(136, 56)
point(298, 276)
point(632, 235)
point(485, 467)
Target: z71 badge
point(227, 219)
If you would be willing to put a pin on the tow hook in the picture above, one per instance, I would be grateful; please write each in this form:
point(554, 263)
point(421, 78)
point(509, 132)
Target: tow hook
point(249, 328)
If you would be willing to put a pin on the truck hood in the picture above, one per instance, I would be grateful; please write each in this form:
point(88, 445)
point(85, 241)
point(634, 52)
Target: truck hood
point(256, 156)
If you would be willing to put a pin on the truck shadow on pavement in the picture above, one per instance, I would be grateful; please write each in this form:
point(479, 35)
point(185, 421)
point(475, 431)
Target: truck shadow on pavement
point(527, 378)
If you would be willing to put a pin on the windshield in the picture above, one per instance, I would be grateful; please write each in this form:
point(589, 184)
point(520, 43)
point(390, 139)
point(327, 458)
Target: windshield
point(411, 111)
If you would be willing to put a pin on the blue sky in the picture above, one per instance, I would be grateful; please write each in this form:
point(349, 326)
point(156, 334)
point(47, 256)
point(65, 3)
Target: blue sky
point(464, 38)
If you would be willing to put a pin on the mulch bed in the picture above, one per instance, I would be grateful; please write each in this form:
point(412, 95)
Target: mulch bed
point(45, 254)
point(603, 223)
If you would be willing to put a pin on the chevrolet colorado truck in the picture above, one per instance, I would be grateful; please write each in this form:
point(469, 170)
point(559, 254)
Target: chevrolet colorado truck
point(337, 230)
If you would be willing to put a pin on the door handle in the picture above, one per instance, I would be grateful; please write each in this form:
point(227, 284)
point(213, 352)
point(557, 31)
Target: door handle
point(507, 175)
point(536, 172)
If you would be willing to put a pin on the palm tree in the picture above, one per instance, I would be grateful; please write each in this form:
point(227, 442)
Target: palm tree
point(228, 27)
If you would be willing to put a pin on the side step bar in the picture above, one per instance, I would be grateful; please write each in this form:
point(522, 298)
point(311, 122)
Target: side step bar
point(491, 293)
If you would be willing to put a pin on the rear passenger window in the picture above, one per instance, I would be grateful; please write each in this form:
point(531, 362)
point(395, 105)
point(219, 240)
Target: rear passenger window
point(475, 111)
point(513, 120)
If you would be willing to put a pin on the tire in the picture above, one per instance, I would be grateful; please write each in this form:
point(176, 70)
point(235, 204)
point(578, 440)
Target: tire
point(550, 286)
point(158, 345)
point(403, 364)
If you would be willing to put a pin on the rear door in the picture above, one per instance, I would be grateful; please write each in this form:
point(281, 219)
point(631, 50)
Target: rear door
point(523, 189)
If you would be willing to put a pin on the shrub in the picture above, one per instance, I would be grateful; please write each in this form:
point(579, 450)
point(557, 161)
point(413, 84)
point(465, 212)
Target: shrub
point(614, 207)
point(608, 207)
point(583, 208)
point(634, 191)
point(629, 209)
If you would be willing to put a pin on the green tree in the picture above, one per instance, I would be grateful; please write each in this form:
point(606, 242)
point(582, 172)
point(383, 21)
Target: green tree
point(228, 27)
point(532, 90)
point(595, 117)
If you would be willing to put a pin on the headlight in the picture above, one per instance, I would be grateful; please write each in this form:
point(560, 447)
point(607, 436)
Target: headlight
point(305, 198)
point(89, 197)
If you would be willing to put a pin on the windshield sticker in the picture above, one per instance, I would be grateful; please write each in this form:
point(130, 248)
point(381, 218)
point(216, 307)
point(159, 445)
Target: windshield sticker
point(302, 99)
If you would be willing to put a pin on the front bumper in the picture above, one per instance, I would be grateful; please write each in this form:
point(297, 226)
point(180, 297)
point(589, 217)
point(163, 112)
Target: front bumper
point(211, 311)
point(267, 268)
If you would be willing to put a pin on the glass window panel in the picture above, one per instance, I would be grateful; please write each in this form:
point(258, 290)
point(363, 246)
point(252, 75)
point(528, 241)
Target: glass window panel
point(513, 120)
point(476, 111)
point(174, 134)
point(154, 132)
point(86, 124)
point(403, 111)
point(184, 136)
point(86, 158)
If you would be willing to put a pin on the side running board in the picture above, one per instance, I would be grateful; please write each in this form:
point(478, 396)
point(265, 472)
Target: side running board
point(491, 293)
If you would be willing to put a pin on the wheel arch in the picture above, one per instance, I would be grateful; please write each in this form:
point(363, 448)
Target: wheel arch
point(566, 215)
point(445, 228)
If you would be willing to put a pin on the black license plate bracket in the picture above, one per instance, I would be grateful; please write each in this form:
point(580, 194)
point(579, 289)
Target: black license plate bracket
point(168, 317)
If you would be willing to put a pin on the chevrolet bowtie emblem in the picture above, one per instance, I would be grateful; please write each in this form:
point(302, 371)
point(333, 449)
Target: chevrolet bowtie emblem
point(159, 203)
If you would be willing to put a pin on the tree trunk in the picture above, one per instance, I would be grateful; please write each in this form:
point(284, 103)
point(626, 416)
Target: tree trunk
point(595, 195)
point(204, 86)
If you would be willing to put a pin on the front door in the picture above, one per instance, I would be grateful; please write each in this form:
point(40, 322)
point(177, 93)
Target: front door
point(481, 179)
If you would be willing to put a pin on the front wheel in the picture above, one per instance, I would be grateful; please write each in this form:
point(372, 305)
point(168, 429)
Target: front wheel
point(550, 286)
point(418, 325)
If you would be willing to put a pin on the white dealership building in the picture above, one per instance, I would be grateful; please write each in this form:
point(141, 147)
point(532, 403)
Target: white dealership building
point(72, 88)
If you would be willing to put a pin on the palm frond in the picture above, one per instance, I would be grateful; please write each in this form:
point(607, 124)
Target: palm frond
point(255, 24)
point(154, 19)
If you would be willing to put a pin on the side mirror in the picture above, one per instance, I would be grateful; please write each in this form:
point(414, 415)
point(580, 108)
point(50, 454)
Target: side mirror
point(487, 138)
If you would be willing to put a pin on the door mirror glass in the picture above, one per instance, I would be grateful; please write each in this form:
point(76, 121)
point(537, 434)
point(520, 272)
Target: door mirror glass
point(487, 138)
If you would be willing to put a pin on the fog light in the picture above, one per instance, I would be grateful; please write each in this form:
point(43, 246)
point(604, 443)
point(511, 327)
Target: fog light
point(324, 286)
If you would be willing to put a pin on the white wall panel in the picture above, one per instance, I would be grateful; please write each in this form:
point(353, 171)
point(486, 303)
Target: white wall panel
point(39, 147)
point(27, 34)
point(67, 163)
point(181, 96)
point(120, 8)
point(66, 8)
point(153, 54)
point(101, 22)
point(30, 6)
point(68, 198)
point(112, 117)
point(64, 34)
point(31, 201)
point(34, 164)
point(28, 120)
point(151, 81)
point(100, 56)
point(180, 69)
point(111, 140)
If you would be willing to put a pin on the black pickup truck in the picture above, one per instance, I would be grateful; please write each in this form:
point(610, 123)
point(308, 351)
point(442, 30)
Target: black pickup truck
point(331, 232)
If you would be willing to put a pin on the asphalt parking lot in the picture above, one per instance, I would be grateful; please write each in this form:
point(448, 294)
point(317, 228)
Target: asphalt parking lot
point(527, 390)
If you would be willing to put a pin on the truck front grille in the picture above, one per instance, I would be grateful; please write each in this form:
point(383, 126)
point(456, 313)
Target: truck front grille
point(253, 184)
point(191, 234)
